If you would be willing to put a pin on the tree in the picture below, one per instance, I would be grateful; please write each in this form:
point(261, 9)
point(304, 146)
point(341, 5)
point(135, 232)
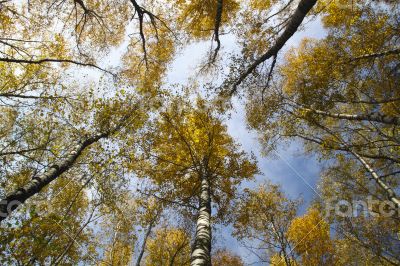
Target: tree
point(60, 165)
point(359, 221)
point(261, 220)
point(118, 229)
point(225, 257)
point(150, 216)
point(338, 96)
point(294, 21)
point(170, 246)
point(38, 237)
point(193, 161)
point(311, 236)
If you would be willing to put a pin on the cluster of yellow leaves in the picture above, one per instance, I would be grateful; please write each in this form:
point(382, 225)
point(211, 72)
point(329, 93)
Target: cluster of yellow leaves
point(277, 260)
point(303, 74)
point(311, 237)
point(119, 254)
point(260, 4)
point(8, 117)
point(259, 208)
point(198, 17)
point(39, 238)
point(6, 22)
point(170, 246)
point(224, 257)
point(188, 142)
point(340, 12)
point(147, 71)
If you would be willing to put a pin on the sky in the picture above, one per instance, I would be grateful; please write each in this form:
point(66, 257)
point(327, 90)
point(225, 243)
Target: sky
point(296, 172)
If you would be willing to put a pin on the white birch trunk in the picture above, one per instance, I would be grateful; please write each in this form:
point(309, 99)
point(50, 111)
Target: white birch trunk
point(201, 254)
point(37, 183)
point(389, 191)
point(373, 117)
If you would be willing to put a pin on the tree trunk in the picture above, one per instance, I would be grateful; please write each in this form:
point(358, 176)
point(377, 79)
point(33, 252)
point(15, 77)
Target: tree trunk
point(373, 117)
point(389, 191)
point(72, 241)
point(201, 254)
point(38, 182)
point(146, 236)
point(295, 21)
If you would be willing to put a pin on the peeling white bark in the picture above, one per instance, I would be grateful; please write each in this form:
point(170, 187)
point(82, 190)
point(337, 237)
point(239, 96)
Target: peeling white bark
point(373, 117)
point(37, 183)
point(201, 254)
point(389, 191)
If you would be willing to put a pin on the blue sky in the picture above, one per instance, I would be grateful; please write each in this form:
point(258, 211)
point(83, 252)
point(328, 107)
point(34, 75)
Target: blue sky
point(296, 172)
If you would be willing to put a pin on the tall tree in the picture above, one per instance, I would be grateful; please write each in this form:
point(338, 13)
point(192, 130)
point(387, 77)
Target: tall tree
point(224, 257)
point(169, 246)
point(261, 220)
point(66, 159)
point(339, 96)
point(192, 160)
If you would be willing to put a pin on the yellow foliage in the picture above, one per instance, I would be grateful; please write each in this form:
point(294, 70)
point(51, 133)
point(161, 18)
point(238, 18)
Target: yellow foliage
point(224, 257)
point(311, 237)
point(198, 17)
point(170, 246)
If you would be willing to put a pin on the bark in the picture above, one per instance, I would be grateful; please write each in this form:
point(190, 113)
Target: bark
point(38, 182)
point(389, 191)
point(201, 254)
point(373, 117)
point(297, 18)
point(12, 95)
point(217, 25)
point(376, 55)
point(52, 60)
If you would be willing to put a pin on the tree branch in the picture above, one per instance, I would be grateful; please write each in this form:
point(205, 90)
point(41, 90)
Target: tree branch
point(53, 60)
point(296, 19)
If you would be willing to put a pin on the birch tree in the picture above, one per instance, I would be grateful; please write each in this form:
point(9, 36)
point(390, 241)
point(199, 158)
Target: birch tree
point(194, 162)
point(338, 96)
point(169, 246)
point(261, 220)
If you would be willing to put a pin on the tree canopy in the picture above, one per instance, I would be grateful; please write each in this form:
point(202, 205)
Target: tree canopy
point(119, 147)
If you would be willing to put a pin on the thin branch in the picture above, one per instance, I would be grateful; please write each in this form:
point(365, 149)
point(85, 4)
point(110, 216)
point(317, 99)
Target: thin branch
point(376, 55)
point(53, 60)
point(218, 18)
point(187, 205)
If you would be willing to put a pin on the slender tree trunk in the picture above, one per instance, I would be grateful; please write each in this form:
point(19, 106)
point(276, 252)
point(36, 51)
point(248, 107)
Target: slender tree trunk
point(295, 21)
point(218, 18)
point(389, 191)
point(73, 240)
point(38, 182)
point(373, 117)
point(283, 242)
point(201, 254)
point(146, 236)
